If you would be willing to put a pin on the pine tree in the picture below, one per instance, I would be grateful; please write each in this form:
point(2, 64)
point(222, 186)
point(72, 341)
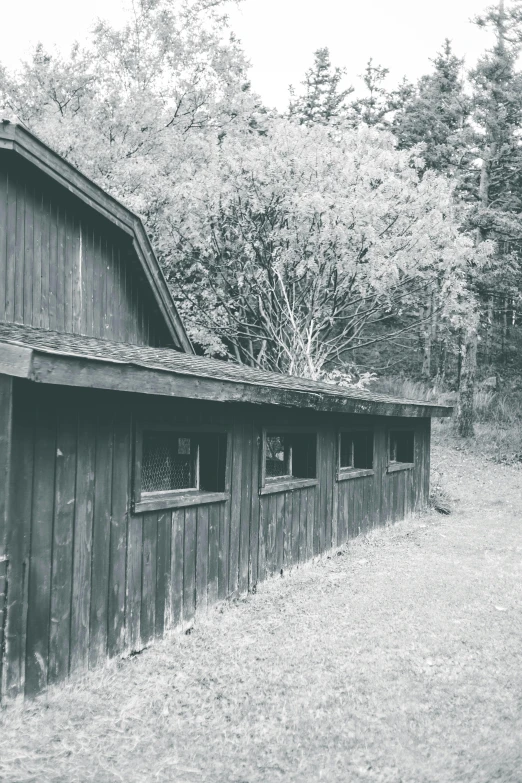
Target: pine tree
point(376, 102)
point(497, 184)
point(323, 100)
point(436, 113)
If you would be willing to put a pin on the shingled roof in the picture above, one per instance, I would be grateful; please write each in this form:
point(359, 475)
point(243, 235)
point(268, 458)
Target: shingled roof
point(51, 357)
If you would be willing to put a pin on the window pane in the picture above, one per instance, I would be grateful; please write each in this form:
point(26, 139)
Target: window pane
point(401, 446)
point(168, 462)
point(212, 461)
point(277, 456)
point(304, 448)
point(356, 450)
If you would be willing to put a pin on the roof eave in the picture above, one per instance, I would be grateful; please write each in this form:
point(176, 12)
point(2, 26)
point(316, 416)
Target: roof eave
point(41, 367)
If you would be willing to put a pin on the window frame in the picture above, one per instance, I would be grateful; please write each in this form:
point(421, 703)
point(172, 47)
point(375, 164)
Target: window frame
point(269, 485)
point(395, 466)
point(176, 498)
point(344, 472)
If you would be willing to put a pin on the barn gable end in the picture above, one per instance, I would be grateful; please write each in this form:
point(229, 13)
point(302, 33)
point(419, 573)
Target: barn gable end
point(71, 263)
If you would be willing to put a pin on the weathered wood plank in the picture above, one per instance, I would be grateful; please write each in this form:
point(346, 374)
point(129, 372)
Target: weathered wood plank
point(148, 578)
point(202, 558)
point(3, 240)
point(163, 549)
point(121, 495)
point(39, 604)
point(288, 519)
point(83, 519)
point(296, 521)
point(37, 272)
point(6, 434)
point(213, 552)
point(27, 261)
point(11, 248)
point(271, 536)
point(101, 541)
point(18, 541)
point(19, 253)
point(263, 539)
point(189, 566)
point(63, 533)
point(255, 508)
point(134, 569)
point(176, 571)
point(245, 508)
point(310, 521)
point(235, 506)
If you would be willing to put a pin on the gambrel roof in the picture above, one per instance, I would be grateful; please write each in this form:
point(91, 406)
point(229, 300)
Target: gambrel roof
point(70, 360)
point(16, 138)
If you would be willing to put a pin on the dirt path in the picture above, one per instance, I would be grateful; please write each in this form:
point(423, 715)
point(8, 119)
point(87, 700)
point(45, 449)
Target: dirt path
point(397, 659)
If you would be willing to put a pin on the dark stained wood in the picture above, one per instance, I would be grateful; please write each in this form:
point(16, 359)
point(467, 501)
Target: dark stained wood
point(118, 376)
point(18, 543)
point(3, 240)
point(10, 221)
point(82, 553)
point(255, 508)
point(213, 552)
point(189, 567)
point(176, 569)
point(120, 504)
point(100, 559)
point(59, 261)
point(40, 565)
point(163, 549)
point(148, 576)
point(63, 536)
point(134, 570)
point(120, 579)
point(202, 558)
point(246, 446)
point(235, 506)
point(6, 428)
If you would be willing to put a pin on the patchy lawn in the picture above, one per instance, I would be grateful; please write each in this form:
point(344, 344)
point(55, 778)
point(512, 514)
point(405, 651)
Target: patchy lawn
point(397, 659)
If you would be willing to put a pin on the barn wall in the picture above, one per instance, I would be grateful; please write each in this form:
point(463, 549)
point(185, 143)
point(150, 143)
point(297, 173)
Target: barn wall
point(88, 579)
point(63, 267)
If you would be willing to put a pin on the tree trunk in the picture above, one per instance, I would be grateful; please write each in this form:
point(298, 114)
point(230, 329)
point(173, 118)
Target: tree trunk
point(427, 341)
point(465, 406)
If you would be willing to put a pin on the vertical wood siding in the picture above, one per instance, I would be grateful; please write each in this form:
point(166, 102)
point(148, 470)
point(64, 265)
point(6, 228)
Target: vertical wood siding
point(88, 579)
point(63, 268)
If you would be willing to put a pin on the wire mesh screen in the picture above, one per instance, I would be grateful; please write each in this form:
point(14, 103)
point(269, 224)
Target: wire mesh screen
point(168, 462)
point(277, 456)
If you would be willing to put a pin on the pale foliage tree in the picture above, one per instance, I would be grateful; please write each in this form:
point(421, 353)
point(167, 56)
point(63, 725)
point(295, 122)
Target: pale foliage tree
point(290, 248)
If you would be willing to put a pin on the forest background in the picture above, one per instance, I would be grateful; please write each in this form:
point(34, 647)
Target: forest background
point(363, 237)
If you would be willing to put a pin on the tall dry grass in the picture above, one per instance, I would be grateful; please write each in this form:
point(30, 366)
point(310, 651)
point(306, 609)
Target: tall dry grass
point(498, 416)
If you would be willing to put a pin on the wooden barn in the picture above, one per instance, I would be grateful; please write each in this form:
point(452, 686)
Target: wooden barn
point(140, 483)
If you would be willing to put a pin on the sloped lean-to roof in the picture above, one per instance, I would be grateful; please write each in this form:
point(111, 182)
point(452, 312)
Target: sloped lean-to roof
point(16, 138)
point(50, 357)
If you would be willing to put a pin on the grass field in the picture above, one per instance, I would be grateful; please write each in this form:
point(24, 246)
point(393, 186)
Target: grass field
point(397, 659)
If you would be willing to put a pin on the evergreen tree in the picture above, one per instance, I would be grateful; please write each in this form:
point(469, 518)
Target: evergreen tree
point(436, 113)
point(376, 101)
point(496, 185)
point(323, 100)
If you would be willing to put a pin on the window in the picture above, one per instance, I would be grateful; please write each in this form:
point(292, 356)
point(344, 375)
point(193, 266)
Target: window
point(289, 457)
point(356, 450)
point(400, 448)
point(175, 465)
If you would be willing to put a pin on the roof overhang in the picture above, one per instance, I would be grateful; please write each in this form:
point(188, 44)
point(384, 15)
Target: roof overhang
point(40, 366)
point(20, 141)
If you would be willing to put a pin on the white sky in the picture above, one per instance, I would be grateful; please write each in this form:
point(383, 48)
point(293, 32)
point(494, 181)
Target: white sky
point(280, 36)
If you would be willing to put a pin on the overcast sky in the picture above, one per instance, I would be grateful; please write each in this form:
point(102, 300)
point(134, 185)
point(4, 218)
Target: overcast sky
point(280, 36)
